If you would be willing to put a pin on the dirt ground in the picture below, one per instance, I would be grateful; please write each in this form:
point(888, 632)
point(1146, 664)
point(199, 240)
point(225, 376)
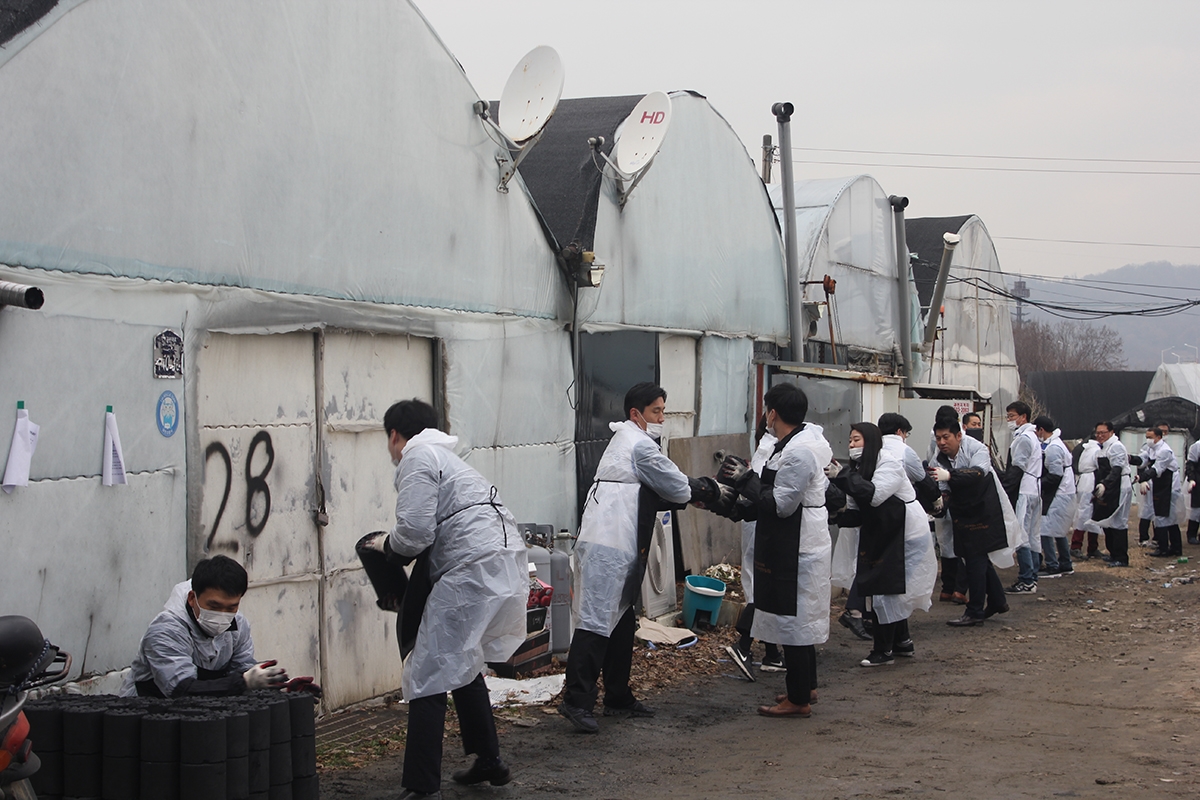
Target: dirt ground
point(1090, 688)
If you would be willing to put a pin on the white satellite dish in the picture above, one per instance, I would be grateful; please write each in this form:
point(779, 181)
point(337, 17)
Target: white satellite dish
point(531, 94)
point(642, 132)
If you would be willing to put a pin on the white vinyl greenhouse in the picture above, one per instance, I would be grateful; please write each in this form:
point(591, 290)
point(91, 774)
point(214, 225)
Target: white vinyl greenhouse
point(308, 201)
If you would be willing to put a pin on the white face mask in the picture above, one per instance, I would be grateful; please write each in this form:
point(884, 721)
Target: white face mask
point(214, 623)
point(1012, 425)
point(855, 453)
point(654, 429)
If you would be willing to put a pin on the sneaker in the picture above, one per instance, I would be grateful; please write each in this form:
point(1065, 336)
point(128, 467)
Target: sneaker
point(635, 709)
point(1050, 573)
point(1077, 553)
point(740, 660)
point(1193, 540)
point(855, 624)
point(1067, 570)
point(1020, 587)
point(1117, 564)
point(875, 659)
point(581, 718)
point(496, 773)
point(1146, 543)
point(409, 794)
point(772, 664)
point(905, 649)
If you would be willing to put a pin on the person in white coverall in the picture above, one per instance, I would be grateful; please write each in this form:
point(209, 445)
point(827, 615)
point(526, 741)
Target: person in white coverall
point(452, 520)
point(1085, 484)
point(1192, 471)
point(792, 547)
point(896, 564)
point(1159, 472)
point(740, 653)
point(200, 644)
point(1113, 495)
point(1058, 499)
point(1022, 483)
point(634, 480)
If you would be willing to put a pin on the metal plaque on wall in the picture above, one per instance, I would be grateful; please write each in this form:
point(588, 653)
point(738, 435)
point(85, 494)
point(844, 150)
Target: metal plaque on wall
point(168, 355)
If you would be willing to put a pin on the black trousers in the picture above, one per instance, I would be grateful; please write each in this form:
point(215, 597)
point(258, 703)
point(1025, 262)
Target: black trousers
point(1143, 530)
point(427, 724)
point(592, 655)
point(1169, 540)
point(885, 636)
point(1117, 542)
point(984, 588)
point(801, 678)
point(854, 600)
point(954, 576)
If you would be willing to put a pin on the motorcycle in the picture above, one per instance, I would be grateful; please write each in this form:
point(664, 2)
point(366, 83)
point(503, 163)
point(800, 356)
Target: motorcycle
point(27, 661)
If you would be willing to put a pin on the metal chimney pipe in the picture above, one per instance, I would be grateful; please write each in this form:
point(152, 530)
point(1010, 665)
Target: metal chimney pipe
point(18, 294)
point(950, 241)
point(783, 115)
point(903, 296)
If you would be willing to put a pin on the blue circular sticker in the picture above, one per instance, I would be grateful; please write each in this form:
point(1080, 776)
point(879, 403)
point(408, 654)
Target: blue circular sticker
point(168, 413)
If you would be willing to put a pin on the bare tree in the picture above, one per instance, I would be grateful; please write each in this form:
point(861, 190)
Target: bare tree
point(1066, 345)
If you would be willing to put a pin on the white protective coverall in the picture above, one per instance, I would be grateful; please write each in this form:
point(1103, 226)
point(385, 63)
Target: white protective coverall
point(1164, 459)
point(761, 454)
point(476, 610)
point(1085, 484)
point(1142, 496)
point(606, 556)
point(1118, 458)
point(920, 562)
point(973, 454)
point(1057, 520)
point(799, 488)
point(1026, 454)
point(1193, 459)
point(174, 646)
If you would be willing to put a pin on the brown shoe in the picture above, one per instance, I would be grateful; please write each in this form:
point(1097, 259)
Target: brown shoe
point(786, 709)
point(945, 597)
point(959, 599)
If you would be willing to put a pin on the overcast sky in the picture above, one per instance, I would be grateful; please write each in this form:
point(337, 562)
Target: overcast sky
point(1118, 82)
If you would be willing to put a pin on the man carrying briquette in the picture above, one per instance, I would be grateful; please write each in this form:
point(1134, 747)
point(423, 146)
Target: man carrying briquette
point(634, 480)
point(973, 508)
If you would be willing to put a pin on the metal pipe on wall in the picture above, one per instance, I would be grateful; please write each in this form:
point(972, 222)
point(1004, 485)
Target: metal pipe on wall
point(950, 241)
point(903, 296)
point(783, 115)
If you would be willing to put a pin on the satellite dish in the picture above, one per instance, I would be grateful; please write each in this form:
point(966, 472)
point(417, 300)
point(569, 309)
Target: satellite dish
point(642, 132)
point(531, 94)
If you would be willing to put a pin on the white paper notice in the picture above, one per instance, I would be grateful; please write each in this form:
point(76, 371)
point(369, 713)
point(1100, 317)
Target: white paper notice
point(113, 473)
point(20, 453)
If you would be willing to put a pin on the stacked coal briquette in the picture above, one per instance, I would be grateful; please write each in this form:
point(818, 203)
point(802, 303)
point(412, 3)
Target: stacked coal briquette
point(257, 746)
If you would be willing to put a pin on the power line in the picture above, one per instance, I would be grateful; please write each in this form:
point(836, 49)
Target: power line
point(1110, 244)
point(1080, 313)
point(1000, 169)
point(1008, 158)
point(1084, 281)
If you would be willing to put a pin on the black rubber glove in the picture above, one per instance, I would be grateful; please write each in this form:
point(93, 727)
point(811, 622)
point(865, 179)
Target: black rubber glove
point(704, 490)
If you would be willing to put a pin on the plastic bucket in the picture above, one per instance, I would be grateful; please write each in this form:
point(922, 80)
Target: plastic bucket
point(701, 594)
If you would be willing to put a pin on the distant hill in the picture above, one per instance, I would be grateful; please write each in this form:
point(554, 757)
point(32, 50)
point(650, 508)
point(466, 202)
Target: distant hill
point(1134, 285)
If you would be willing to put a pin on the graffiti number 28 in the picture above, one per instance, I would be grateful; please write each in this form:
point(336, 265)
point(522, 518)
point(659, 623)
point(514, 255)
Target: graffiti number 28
point(255, 484)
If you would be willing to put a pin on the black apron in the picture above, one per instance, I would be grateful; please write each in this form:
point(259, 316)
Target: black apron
point(976, 516)
point(1104, 507)
point(776, 556)
point(1161, 487)
point(881, 548)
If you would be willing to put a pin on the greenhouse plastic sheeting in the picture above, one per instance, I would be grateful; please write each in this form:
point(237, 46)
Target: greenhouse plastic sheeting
point(845, 229)
point(724, 385)
point(695, 247)
point(313, 148)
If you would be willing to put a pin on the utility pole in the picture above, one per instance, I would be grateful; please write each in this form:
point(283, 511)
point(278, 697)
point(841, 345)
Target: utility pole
point(768, 157)
point(1021, 292)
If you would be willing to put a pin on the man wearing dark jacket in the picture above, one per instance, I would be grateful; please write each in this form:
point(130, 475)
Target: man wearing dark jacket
point(964, 473)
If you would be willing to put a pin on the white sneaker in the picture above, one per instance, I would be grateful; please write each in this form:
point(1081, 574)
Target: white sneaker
point(740, 660)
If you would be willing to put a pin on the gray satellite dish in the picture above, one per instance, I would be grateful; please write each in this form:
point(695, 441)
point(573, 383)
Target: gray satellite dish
point(643, 131)
point(531, 94)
